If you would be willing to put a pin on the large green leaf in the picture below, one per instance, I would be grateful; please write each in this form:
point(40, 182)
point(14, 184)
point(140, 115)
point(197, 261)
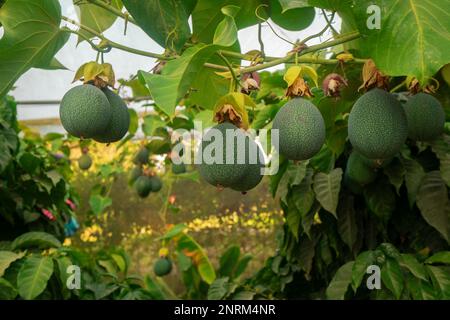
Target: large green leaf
point(207, 15)
point(413, 36)
point(99, 203)
point(327, 187)
point(303, 197)
point(165, 21)
point(392, 277)
point(413, 179)
point(440, 257)
point(37, 239)
point(338, 287)
point(96, 17)
point(190, 247)
point(33, 276)
point(226, 31)
point(294, 175)
point(359, 268)
point(218, 289)
point(31, 37)
point(441, 280)
point(346, 222)
point(433, 203)
point(229, 260)
point(168, 88)
point(6, 258)
point(409, 262)
point(7, 290)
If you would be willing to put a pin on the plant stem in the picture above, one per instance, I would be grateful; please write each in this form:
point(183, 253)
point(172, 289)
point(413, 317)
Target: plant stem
point(115, 44)
point(233, 74)
point(321, 32)
point(117, 12)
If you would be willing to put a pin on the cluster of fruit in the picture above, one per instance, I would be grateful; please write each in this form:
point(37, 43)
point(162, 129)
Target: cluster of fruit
point(88, 112)
point(143, 180)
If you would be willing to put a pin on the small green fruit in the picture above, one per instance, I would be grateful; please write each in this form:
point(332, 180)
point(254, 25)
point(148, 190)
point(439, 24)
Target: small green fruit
point(84, 162)
point(178, 168)
point(162, 267)
point(156, 183)
point(142, 156)
point(143, 186)
point(358, 169)
point(135, 173)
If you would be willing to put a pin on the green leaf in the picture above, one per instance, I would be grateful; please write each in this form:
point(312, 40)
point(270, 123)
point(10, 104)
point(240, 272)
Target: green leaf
point(6, 258)
point(380, 199)
point(293, 4)
point(421, 290)
point(395, 171)
point(338, 286)
point(346, 221)
point(441, 147)
point(218, 289)
point(54, 64)
point(99, 203)
point(63, 264)
point(33, 276)
point(226, 31)
point(421, 26)
point(441, 280)
point(168, 88)
point(138, 89)
point(134, 121)
point(242, 265)
point(31, 38)
point(7, 290)
point(41, 240)
point(303, 198)
point(440, 257)
point(206, 117)
point(294, 175)
point(433, 203)
point(207, 15)
point(409, 262)
point(95, 17)
point(327, 187)
point(202, 262)
point(184, 262)
point(392, 277)
point(413, 179)
point(173, 232)
point(306, 254)
point(229, 260)
point(165, 21)
point(359, 268)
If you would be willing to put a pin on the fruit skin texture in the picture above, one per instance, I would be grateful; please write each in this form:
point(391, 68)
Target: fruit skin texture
point(142, 156)
point(84, 162)
point(143, 186)
point(301, 129)
point(253, 176)
point(377, 125)
point(85, 111)
point(156, 183)
point(135, 173)
point(178, 168)
point(120, 119)
point(426, 117)
point(223, 174)
point(162, 267)
point(358, 171)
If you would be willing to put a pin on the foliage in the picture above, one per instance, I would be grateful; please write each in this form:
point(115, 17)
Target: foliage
point(333, 230)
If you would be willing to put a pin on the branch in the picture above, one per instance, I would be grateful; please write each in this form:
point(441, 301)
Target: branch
point(328, 25)
point(115, 44)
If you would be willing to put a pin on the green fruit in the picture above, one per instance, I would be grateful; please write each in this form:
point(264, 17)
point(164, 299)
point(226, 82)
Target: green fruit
point(84, 162)
point(220, 172)
point(142, 156)
point(155, 183)
point(85, 111)
point(293, 19)
point(178, 168)
point(358, 169)
point(301, 130)
point(162, 267)
point(377, 125)
point(426, 117)
point(253, 176)
point(135, 173)
point(120, 120)
point(143, 186)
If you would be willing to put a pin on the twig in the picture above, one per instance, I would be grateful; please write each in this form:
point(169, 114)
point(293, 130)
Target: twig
point(104, 5)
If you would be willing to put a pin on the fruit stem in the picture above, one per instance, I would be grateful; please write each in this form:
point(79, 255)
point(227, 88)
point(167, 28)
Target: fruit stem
point(230, 67)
